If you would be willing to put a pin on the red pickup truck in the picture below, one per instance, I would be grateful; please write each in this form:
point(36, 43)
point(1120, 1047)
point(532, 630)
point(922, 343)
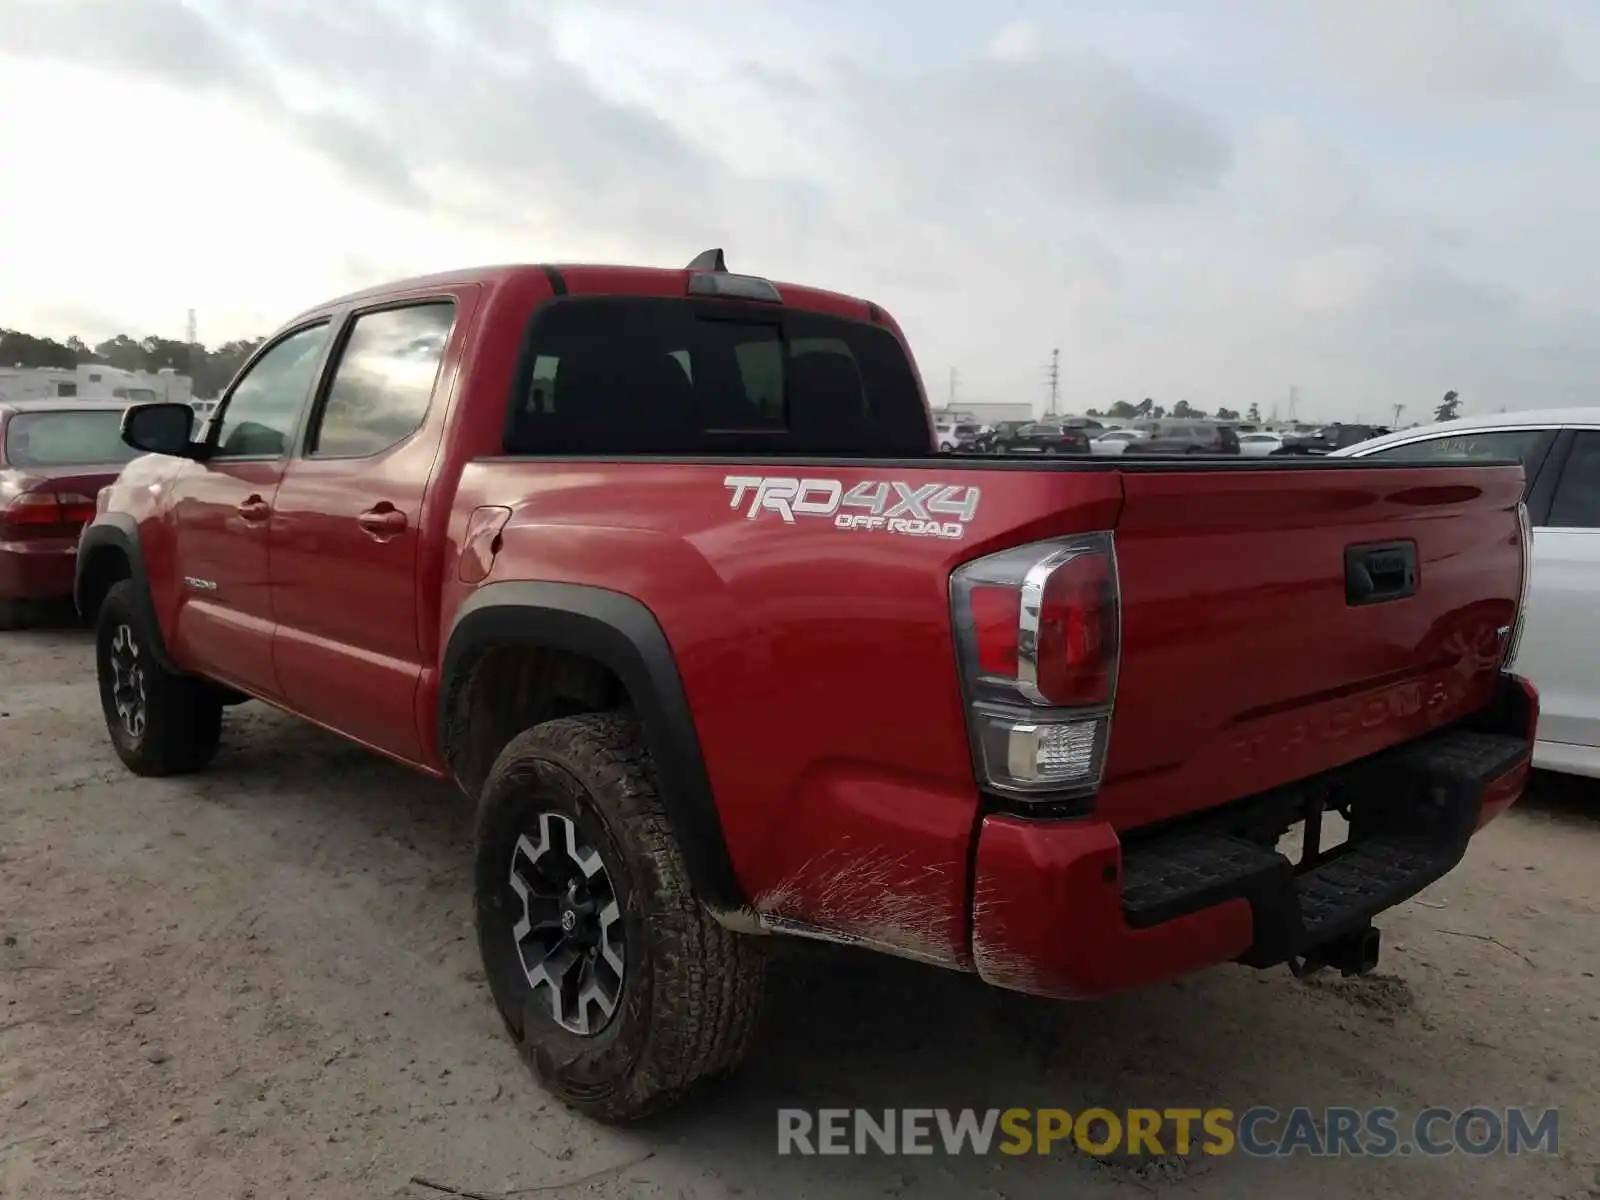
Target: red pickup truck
point(662, 567)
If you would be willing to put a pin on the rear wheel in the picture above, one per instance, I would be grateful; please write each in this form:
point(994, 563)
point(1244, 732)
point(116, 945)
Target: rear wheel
point(618, 987)
point(160, 723)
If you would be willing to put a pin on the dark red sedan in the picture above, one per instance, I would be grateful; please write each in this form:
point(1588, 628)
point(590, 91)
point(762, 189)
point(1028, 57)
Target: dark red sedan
point(55, 455)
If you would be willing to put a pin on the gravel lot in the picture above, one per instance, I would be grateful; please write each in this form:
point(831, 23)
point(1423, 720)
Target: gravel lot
point(262, 982)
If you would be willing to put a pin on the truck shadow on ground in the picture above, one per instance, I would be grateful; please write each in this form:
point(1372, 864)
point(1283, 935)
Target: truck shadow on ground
point(1568, 799)
point(848, 1029)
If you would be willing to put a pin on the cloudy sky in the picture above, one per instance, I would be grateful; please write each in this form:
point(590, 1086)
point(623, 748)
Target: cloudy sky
point(1216, 200)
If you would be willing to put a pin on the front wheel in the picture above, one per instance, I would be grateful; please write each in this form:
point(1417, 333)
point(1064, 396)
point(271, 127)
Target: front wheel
point(619, 988)
point(160, 723)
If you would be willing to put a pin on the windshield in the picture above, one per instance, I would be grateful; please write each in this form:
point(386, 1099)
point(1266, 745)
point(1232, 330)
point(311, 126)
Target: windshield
point(66, 439)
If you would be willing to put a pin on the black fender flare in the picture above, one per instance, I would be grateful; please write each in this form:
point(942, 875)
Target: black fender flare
point(119, 533)
point(623, 635)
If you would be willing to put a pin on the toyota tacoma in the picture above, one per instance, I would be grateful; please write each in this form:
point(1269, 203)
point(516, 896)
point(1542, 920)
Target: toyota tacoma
point(664, 570)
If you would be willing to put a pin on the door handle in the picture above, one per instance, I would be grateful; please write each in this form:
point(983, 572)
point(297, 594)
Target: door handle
point(383, 522)
point(255, 510)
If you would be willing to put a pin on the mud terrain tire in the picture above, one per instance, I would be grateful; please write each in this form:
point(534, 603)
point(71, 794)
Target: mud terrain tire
point(687, 1001)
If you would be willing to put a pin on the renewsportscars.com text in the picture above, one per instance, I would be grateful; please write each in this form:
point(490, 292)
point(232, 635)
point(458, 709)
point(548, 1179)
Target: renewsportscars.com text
point(1258, 1132)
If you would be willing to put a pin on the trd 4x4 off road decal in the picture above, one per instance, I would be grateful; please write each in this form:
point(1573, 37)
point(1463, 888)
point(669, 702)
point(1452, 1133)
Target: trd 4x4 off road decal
point(919, 510)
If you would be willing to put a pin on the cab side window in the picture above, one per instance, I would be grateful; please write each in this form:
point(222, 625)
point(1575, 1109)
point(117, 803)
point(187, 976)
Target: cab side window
point(1577, 499)
point(384, 380)
point(259, 417)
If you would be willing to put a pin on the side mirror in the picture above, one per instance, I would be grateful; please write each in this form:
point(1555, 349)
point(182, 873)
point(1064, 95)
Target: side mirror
point(161, 428)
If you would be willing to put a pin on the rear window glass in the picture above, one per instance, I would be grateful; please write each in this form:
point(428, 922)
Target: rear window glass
point(663, 376)
point(66, 439)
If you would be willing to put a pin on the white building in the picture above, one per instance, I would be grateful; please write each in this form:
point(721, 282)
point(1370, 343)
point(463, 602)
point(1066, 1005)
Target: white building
point(93, 381)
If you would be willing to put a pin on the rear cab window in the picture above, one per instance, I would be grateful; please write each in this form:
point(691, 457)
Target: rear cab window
point(647, 375)
point(66, 439)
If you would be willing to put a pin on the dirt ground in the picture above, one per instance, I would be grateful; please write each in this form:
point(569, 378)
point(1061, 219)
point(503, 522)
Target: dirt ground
point(262, 982)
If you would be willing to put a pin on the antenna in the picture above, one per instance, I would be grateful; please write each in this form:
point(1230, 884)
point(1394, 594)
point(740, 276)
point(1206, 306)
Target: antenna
point(710, 260)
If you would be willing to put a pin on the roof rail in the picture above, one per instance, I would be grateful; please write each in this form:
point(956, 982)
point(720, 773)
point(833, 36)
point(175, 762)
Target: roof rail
point(710, 260)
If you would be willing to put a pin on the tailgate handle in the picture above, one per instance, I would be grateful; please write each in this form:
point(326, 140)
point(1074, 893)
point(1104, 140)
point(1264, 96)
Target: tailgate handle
point(1379, 572)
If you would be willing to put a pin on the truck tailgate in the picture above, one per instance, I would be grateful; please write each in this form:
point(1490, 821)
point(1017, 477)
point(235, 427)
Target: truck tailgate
point(1249, 657)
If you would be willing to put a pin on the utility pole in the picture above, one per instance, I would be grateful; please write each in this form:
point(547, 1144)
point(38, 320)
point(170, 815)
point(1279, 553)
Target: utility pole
point(1294, 400)
point(1398, 409)
point(1055, 379)
point(191, 329)
point(952, 401)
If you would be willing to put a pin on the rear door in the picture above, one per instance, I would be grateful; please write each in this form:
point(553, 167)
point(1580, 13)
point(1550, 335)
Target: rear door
point(345, 528)
point(1560, 651)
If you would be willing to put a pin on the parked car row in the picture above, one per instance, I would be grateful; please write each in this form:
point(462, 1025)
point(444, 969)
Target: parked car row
point(1087, 435)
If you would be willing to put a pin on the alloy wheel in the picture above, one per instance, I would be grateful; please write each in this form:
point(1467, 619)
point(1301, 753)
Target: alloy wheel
point(127, 681)
point(569, 937)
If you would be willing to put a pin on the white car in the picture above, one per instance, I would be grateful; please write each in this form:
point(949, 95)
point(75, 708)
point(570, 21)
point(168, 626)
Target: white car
point(1115, 441)
point(1560, 649)
point(1259, 444)
point(956, 435)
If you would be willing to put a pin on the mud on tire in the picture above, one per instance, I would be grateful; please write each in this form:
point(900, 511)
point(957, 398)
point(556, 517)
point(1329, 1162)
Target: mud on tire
point(689, 995)
point(160, 723)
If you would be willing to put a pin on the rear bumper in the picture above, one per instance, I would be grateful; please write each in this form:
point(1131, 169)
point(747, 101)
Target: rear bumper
point(1069, 909)
point(41, 570)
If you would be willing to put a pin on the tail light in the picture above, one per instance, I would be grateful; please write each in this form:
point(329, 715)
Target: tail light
point(1525, 533)
point(45, 515)
point(1037, 633)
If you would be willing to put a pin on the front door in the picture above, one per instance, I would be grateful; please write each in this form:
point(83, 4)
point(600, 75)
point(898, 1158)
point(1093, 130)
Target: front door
point(221, 509)
point(345, 528)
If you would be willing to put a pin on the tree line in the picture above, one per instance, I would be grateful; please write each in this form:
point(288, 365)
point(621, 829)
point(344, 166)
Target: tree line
point(210, 369)
point(1123, 410)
